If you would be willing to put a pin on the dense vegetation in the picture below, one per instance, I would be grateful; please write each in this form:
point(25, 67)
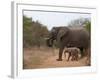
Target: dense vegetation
point(34, 33)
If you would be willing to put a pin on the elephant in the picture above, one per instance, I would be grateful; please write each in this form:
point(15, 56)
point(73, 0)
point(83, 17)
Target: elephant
point(73, 52)
point(69, 37)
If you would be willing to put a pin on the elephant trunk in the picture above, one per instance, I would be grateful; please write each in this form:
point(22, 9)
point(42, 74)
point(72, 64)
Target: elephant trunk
point(49, 42)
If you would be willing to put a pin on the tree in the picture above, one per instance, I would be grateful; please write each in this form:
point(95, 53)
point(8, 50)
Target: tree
point(81, 22)
point(27, 22)
point(34, 32)
point(87, 25)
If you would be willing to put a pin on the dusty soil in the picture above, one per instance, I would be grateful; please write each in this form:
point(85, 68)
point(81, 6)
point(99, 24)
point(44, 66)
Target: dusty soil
point(46, 58)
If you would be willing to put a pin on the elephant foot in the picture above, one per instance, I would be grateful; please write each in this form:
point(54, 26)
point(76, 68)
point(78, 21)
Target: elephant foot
point(59, 59)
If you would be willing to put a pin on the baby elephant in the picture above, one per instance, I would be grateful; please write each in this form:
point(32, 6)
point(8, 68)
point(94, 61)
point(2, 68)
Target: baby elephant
point(73, 52)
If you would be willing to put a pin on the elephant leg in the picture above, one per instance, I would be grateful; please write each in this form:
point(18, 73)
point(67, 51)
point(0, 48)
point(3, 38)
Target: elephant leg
point(82, 52)
point(86, 51)
point(76, 57)
point(60, 54)
point(88, 60)
point(65, 55)
point(69, 56)
point(72, 57)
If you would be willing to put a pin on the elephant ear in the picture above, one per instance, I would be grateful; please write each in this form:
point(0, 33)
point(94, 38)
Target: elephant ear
point(63, 31)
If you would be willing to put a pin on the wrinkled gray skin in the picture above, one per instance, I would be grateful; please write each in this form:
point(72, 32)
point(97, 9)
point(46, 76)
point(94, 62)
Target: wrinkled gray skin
point(73, 52)
point(67, 37)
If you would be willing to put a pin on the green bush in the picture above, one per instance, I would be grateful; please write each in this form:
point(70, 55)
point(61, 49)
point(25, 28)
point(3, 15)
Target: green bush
point(34, 33)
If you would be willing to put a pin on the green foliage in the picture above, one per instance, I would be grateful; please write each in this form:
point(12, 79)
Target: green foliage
point(81, 22)
point(34, 33)
point(77, 22)
point(87, 26)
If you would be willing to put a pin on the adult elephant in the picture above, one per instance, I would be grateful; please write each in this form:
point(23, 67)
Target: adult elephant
point(69, 37)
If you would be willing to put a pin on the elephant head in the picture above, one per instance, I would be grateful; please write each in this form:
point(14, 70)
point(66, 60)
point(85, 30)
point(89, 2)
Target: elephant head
point(57, 33)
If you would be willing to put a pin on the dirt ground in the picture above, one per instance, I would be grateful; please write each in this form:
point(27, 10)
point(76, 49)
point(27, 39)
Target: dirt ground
point(46, 58)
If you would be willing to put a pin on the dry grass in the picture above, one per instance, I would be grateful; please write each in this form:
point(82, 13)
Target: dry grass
point(46, 58)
